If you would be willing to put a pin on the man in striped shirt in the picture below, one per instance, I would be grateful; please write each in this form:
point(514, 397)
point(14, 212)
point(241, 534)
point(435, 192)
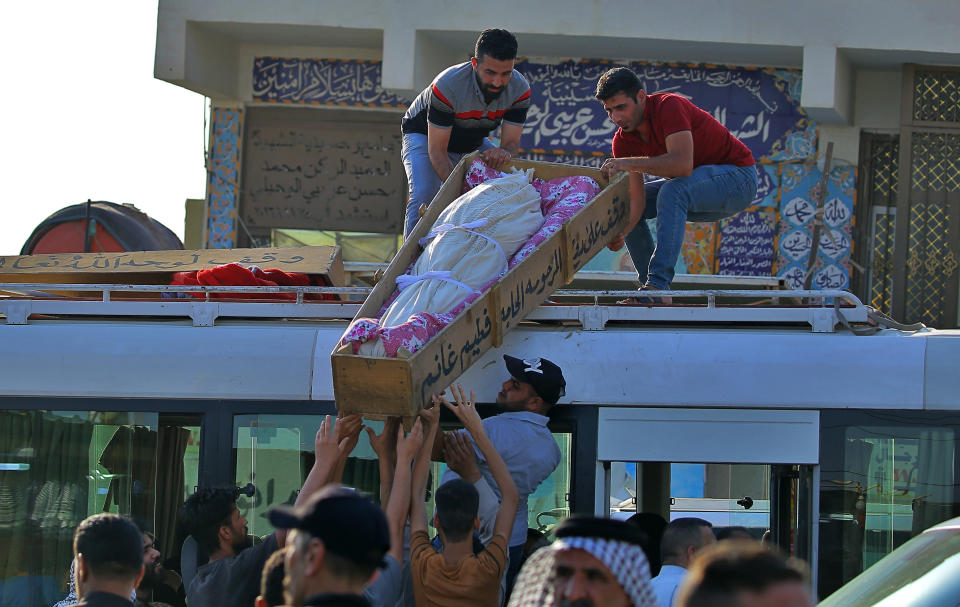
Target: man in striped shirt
point(455, 114)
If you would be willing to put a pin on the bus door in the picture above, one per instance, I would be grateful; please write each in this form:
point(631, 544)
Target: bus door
point(750, 468)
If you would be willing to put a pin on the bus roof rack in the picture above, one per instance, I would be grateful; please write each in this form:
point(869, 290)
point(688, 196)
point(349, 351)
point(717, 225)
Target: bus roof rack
point(592, 309)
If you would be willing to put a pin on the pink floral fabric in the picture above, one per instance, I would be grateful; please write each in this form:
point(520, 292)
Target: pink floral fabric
point(560, 199)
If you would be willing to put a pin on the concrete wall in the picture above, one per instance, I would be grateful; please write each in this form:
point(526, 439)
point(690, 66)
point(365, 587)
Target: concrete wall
point(201, 45)
point(851, 52)
point(876, 107)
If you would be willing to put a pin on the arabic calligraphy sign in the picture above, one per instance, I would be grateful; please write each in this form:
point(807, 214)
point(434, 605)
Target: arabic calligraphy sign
point(746, 243)
point(759, 106)
point(302, 169)
point(321, 81)
point(307, 260)
point(799, 184)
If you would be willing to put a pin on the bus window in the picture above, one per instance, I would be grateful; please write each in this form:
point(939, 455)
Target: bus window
point(191, 461)
point(57, 468)
point(882, 483)
point(550, 503)
point(726, 495)
point(275, 452)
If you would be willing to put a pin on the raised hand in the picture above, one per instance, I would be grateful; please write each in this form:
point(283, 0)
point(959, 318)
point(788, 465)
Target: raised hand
point(409, 445)
point(325, 443)
point(347, 432)
point(385, 443)
point(465, 409)
point(460, 457)
point(431, 416)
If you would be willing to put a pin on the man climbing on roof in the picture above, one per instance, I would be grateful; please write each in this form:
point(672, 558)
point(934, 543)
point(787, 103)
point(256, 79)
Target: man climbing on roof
point(455, 114)
point(705, 173)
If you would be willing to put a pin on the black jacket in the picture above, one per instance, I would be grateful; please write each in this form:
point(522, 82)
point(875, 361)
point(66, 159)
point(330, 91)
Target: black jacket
point(336, 600)
point(103, 599)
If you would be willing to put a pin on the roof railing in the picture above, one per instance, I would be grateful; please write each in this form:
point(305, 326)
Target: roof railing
point(823, 310)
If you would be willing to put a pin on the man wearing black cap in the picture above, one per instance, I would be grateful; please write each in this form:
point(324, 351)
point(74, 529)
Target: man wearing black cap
point(337, 543)
point(521, 437)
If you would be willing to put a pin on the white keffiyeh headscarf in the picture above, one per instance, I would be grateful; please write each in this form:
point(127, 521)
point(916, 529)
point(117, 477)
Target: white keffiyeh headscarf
point(625, 560)
point(72, 597)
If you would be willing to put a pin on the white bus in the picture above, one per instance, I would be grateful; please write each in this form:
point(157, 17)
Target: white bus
point(748, 413)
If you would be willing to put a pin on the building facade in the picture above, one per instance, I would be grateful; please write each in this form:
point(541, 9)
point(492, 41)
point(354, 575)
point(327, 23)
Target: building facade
point(319, 87)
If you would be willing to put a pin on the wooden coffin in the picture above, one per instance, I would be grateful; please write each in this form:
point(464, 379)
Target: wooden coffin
point(401, 386)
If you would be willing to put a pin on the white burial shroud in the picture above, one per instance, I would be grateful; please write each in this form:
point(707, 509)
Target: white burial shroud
point(469, 245)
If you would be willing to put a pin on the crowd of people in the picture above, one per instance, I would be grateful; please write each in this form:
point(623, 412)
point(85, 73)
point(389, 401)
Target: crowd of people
point(335, 546)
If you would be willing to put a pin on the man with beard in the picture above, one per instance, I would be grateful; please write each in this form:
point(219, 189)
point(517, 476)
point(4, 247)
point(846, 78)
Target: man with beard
point(455, 114)
point(232, 575)
point(521, 437)
point(108, 563)
point(594, 562)
point(153, 576)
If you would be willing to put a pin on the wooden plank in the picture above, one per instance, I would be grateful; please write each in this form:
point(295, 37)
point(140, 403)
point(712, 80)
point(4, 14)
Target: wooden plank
point(156, 267)
point(452, 351)
point(308, 260)
point(589, 231)
point(379, 386)
point(528, 284)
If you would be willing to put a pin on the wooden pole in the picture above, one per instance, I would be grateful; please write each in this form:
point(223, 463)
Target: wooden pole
point(818, 217)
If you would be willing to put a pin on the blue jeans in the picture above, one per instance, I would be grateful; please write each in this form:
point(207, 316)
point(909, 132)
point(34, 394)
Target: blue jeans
point(711, 193)
point(422, 179)
point(515, 554)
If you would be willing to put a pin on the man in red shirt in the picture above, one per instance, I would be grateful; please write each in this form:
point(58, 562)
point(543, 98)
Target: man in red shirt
point(704, 172)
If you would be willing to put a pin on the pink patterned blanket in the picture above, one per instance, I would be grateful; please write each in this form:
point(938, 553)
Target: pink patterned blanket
point(560, 199)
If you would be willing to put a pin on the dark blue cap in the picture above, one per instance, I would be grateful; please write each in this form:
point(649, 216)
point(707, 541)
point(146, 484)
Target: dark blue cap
point(545, 376)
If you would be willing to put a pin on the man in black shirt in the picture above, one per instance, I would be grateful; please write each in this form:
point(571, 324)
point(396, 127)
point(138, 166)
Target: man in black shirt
point(338, 541)
point(109, 561)
point(232, 576)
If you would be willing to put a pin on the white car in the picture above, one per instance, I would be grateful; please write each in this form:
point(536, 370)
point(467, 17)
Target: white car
point(925, 571)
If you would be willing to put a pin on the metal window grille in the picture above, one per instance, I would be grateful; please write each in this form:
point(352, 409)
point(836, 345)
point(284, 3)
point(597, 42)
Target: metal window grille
point(935, 162)
point(930, 262)
point(881, 260)
point(936, 95)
